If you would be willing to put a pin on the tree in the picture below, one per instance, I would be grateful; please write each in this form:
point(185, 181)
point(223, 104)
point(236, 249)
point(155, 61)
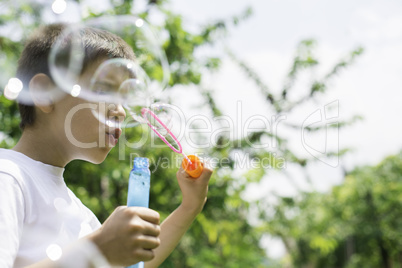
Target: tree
point(357, 224)
point(222, 235)
point(210, 242)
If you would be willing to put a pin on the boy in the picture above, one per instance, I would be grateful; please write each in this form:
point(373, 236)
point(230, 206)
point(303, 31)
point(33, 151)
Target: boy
point(39, 216)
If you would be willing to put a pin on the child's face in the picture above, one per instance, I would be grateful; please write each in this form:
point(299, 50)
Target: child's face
point(88, 138)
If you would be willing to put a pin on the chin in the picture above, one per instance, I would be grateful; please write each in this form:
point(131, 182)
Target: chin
point(96, 156)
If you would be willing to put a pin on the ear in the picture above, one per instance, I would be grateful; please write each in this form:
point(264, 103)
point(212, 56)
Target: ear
point(40, 88)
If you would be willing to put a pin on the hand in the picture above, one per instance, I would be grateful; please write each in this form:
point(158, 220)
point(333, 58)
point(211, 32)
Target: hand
point(194, 190)
point(128, 236)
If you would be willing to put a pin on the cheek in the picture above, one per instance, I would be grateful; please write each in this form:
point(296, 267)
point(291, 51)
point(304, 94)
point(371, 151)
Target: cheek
point(84, 126)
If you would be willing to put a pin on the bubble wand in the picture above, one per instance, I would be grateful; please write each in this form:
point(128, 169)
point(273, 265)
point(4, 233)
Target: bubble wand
point(139, 183)
point(191, 164)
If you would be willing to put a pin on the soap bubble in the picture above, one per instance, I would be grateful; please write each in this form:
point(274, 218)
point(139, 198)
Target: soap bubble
point(45, 10)
point(59, 6)
point(163, 119)
point(117, 82)
point(167, 121)
point(128, 83)
point(16, 32)
point(73, 55)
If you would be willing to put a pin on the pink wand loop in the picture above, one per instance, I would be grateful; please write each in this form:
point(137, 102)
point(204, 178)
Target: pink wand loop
point(144, 112)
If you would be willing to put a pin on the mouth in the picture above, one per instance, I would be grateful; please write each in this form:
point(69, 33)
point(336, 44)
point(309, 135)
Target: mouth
point(113, 136)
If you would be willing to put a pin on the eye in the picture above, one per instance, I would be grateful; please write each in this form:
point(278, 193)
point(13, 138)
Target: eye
point(103, 89)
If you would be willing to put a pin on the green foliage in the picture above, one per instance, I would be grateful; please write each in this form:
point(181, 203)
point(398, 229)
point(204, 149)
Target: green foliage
point(357, 224)
point(10, 119)
point(222, 235)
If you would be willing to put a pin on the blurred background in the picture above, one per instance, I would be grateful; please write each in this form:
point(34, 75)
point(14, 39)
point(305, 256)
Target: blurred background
point(302, 98)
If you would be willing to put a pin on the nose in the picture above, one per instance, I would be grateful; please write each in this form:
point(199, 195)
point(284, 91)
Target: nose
point(117, 112)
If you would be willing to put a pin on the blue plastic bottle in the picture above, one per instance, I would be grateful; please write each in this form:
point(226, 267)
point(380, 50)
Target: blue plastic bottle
point(138, 188)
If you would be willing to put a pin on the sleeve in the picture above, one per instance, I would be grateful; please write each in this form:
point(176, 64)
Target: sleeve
point(11, 218)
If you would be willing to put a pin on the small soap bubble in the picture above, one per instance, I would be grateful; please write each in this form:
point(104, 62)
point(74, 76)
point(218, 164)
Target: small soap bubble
point(54, 252)
point(13, 88)
point(118, 82)
point(164, 116)
point(59, 6)
point(139, 22)
point(34, 13)
point(167, 121)
point(75, 92)
point(60, 204)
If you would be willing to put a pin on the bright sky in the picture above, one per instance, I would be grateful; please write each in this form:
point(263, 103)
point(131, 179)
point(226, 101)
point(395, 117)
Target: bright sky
point(371, 87)
point(266, 41)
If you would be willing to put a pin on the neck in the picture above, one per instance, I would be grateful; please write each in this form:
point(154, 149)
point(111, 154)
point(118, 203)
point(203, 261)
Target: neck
point(42, 147)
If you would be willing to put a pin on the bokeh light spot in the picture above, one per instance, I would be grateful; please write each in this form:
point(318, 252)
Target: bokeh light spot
point(59, 6)
point(13, 88)
point(139, 22)
point(75, 91)
point(54, 252)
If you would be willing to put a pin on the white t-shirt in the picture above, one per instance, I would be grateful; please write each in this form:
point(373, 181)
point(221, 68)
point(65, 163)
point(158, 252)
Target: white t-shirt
point(39, 214)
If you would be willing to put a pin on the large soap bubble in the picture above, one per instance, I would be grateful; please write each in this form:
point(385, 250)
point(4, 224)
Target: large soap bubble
point(15, 33)
point(109, 59)
point(120, 77)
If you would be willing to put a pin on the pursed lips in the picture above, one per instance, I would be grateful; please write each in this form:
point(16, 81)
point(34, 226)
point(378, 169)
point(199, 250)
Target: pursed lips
point(115, 133)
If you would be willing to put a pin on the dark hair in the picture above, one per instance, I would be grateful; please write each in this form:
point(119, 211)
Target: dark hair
point(34, 57)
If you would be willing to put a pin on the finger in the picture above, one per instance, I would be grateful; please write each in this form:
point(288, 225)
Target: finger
point(147, 242)
point(207, 171)
point(206, 174)
point(140, 226)
point(143, 254)
point(146, 214)
point(151, 229)
point(183, 173)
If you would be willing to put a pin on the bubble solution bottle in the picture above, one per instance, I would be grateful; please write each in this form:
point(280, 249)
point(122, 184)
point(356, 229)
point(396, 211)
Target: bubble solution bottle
point(138, 188)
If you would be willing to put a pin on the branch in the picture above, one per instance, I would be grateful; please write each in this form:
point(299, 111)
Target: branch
point(304, 59)
point(256, 78)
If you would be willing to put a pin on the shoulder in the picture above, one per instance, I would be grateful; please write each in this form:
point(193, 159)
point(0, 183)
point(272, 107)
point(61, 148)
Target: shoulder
point(13, 170)
point(11, 184)
point(11, 177)
point(9, 165)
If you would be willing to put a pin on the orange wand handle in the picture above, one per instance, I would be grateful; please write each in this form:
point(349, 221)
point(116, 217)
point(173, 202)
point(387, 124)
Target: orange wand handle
point(195, 168)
